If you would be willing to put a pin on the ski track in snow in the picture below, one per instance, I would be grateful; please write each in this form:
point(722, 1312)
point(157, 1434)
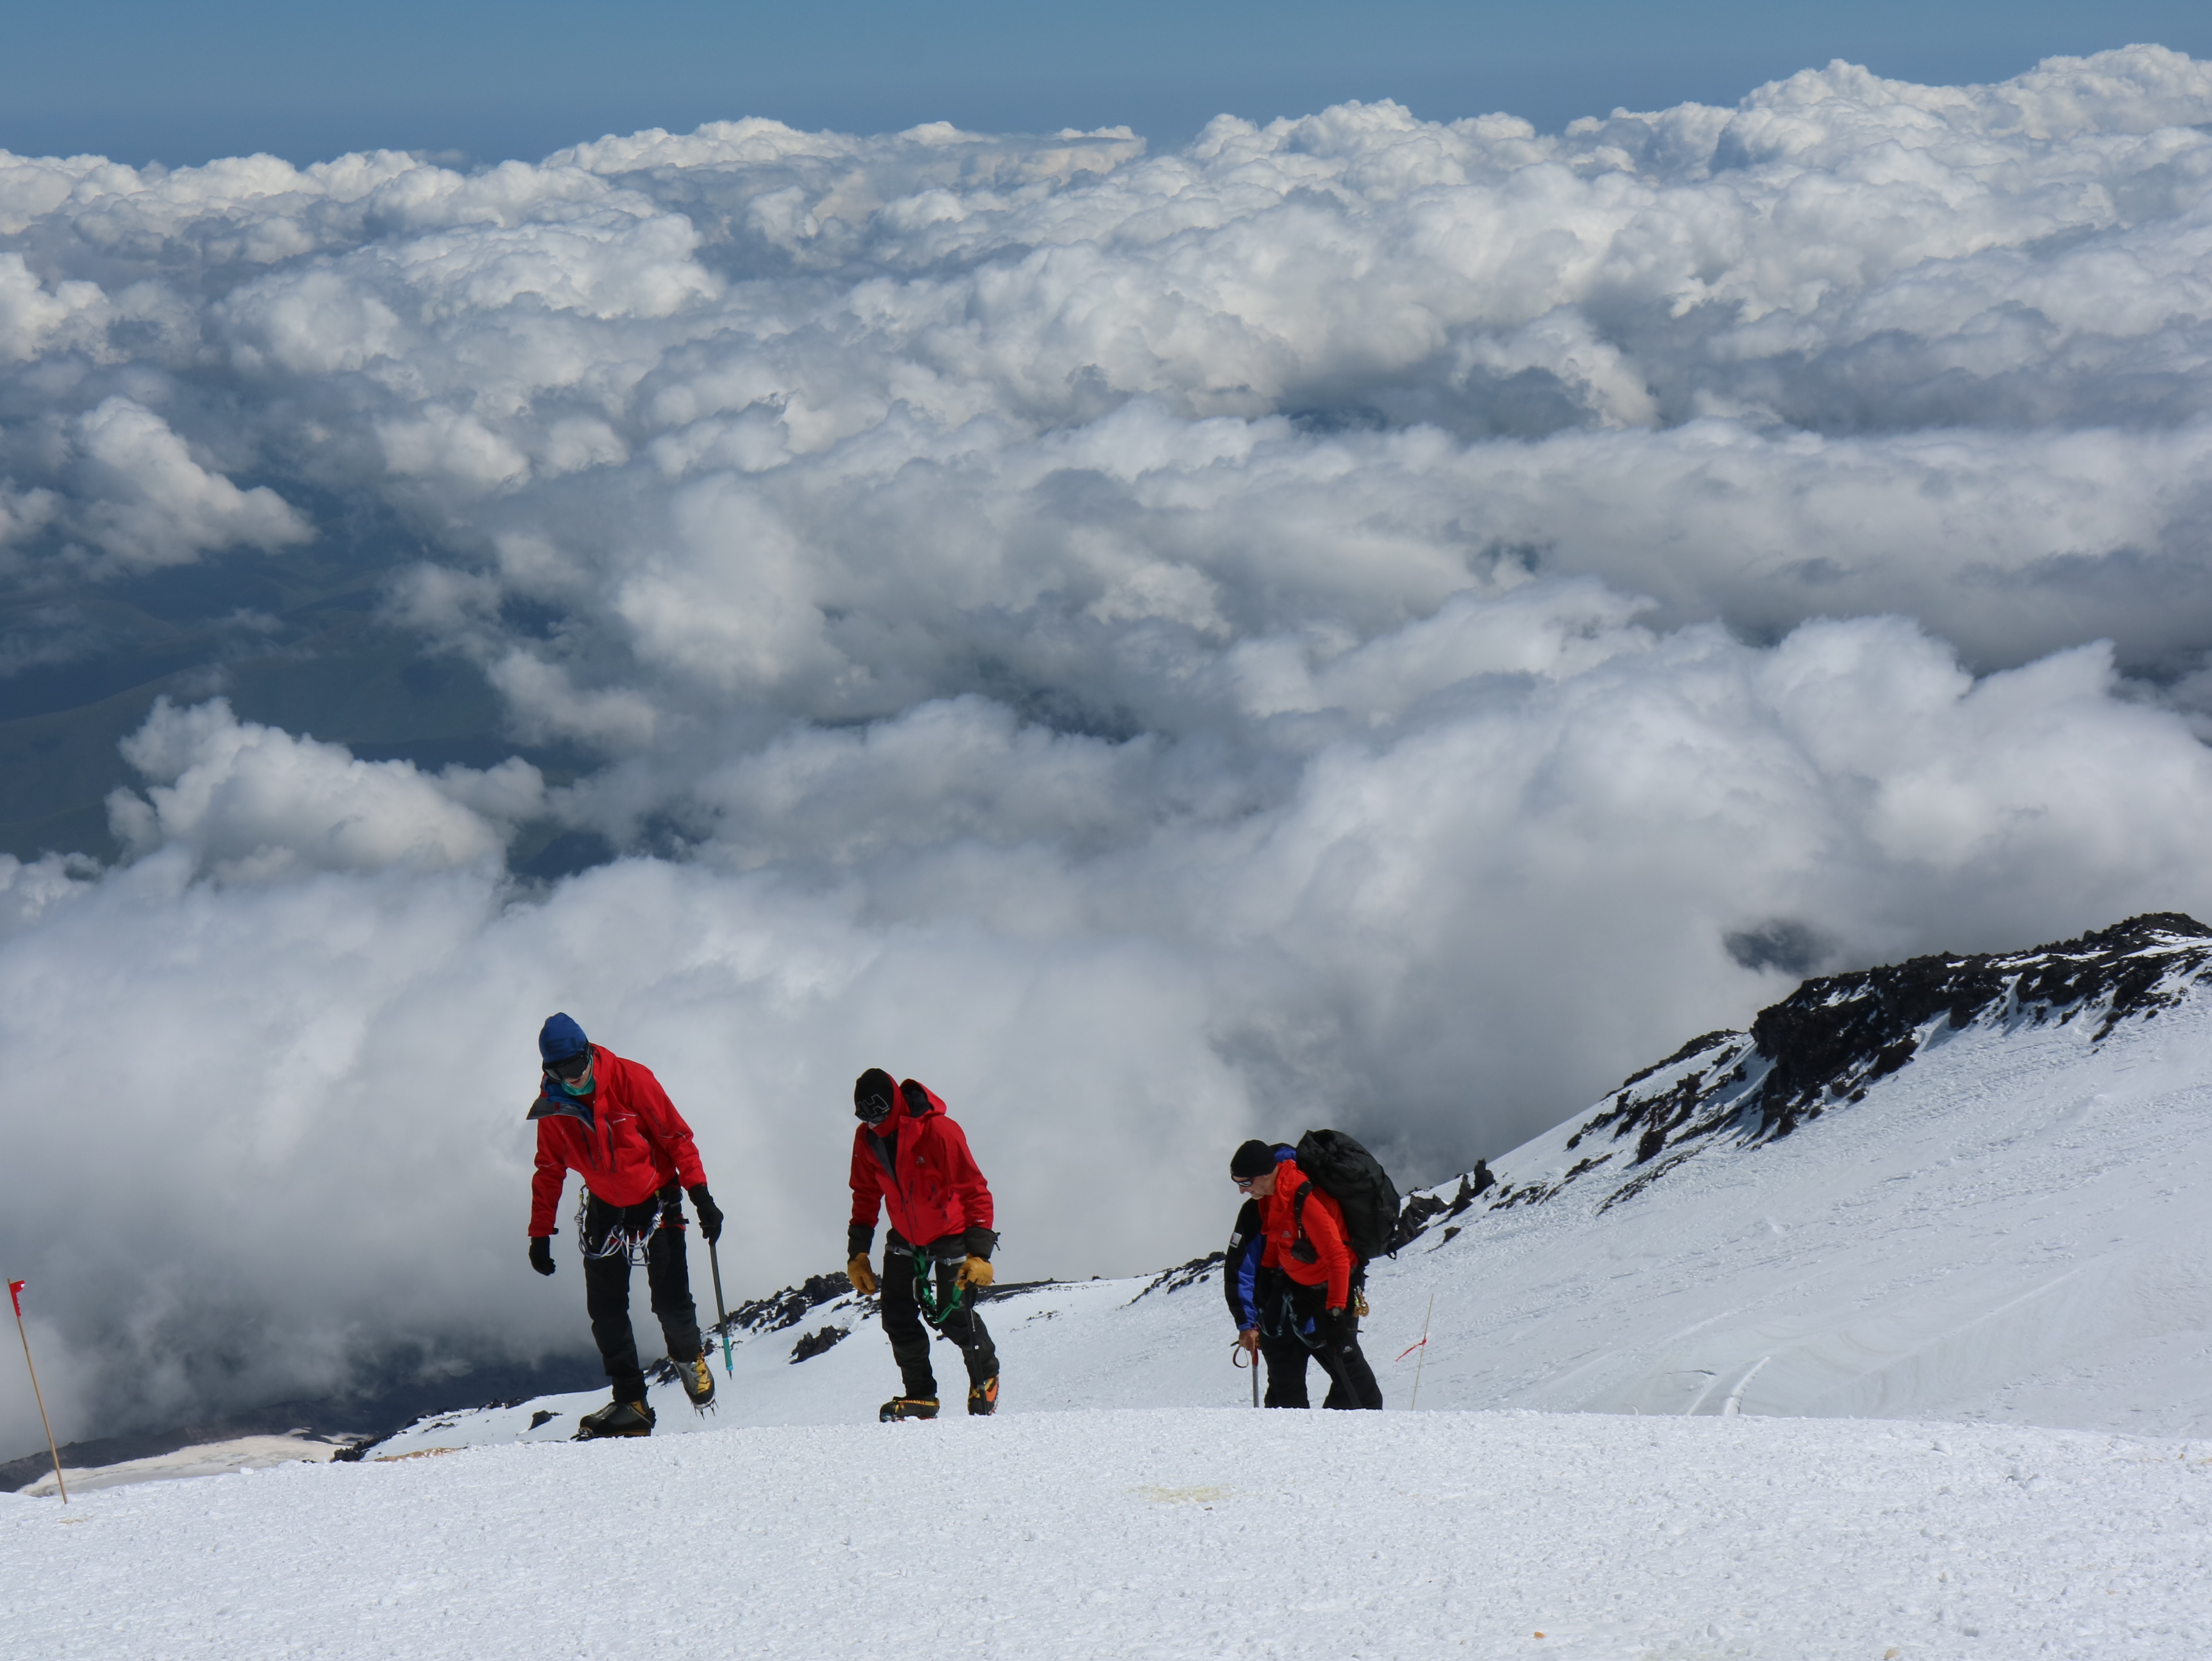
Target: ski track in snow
point(1168, 1533)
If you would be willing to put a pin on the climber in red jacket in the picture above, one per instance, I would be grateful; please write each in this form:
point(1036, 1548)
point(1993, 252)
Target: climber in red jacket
point(910, 1160)
point(608, 1120)
point(1307, 1276)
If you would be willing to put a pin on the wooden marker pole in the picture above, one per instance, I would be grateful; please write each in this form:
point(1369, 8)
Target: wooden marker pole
point(16, 1296)
point(1421, 1360)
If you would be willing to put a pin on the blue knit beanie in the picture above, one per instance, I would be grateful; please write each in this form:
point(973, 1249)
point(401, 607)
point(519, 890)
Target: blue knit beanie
point(560, 1038)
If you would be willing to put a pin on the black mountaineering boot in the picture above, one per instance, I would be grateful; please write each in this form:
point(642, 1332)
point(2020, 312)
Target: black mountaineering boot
point(908, 1406)
point(698, 1383)
point(983, 1398)
point(616, 1419)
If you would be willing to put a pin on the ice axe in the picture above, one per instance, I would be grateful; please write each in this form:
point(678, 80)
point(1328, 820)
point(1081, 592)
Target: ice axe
point(721, 1320)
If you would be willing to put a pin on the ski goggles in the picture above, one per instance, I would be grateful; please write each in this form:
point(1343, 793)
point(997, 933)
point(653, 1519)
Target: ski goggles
point(570, 1066)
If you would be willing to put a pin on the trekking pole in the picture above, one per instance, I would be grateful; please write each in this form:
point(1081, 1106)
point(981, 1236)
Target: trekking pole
point(721, 1320)
point(16, 1296)
point(1255, 1378)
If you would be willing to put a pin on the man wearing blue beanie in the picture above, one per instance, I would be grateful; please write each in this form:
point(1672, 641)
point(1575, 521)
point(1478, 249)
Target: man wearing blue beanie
point(608, 1120)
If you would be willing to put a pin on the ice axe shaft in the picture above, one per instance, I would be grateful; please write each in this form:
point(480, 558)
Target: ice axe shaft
point(721, 1319)
point(16, 1296)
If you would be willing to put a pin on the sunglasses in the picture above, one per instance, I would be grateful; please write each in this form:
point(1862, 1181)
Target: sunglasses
point(874, 1110)
point(1244, 1184)
point(570, 1066)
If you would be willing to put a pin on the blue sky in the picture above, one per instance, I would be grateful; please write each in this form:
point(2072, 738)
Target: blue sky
point(496, 78)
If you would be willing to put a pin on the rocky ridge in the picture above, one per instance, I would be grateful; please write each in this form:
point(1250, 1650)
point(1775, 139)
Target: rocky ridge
point(1822, 1047)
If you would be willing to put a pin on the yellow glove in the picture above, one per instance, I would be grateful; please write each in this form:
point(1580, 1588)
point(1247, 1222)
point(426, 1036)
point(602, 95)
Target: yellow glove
point(976, 1272)
point(862, 1277)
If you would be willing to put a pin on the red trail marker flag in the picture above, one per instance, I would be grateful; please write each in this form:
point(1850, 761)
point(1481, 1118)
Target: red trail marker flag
point(16, 1296)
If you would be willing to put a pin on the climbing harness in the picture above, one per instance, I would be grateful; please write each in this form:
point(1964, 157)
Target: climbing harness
point(618, 1239)
point(926, 1293)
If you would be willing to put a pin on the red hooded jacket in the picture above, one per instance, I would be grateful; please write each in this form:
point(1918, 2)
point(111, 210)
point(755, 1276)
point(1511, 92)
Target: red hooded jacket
point(626, 1140)
point(1324, 1231)
point(917, 1167)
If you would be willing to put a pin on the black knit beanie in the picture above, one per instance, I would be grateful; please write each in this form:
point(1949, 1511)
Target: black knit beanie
point(874, 1094)
point(1254, 1159)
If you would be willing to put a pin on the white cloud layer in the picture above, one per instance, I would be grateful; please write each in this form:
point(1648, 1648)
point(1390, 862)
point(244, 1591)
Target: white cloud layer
point(249, 803)
point(1349, 621)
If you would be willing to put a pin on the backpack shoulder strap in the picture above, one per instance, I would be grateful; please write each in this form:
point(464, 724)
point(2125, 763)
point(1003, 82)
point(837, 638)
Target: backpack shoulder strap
point(1298, 1208)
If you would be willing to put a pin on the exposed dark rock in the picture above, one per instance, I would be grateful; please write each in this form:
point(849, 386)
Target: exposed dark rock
point(1419, 1210)
point(1697, 1046)
point(815, 1342)
point(1198, 1270)
point(788, 1307)
point(1842, 1032)
point(1826, 1044)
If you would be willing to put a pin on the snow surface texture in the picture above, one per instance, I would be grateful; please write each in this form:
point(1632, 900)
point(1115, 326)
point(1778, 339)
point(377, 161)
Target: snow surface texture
point(200, 1459)
point(2006, 1224)
point(1157, 1535)
point(1384, 622)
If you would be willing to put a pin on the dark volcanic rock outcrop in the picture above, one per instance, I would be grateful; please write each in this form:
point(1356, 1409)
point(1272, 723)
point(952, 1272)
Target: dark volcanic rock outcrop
point(1826, 1044)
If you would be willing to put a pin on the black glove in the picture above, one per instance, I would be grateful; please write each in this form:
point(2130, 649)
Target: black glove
point(859, 1240)
point(541, 1254)
point(980, 1242)
point(1339, 1327)
point(710, 1214)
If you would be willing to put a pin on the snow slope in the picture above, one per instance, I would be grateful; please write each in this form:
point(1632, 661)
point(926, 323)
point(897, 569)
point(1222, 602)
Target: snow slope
point(199, 1460)
point(1172, 1533)
point(1959, 1189)
point(1837, 1287)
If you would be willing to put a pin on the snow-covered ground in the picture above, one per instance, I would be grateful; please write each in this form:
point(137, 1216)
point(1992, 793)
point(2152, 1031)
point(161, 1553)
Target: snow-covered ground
point(1168, 1533)
point(1923, 1370)
point(200, 1459)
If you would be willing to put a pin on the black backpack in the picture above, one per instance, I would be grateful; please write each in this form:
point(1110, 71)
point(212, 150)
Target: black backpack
point(1340, 1168)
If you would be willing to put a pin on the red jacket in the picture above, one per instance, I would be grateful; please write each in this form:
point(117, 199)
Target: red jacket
point(1324, 1231)
point(931, 1185)
point(626, 1140)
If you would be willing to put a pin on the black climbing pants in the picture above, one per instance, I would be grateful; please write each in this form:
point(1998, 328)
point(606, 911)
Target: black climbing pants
point(903, 1318)
point(1286, 1358)
point(667, 1278)
point(1290, 1332)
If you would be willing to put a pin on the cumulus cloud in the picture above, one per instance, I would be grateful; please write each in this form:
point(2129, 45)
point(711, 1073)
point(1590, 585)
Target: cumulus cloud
point(244, 801)
point(1358, 619)
point(147, 503)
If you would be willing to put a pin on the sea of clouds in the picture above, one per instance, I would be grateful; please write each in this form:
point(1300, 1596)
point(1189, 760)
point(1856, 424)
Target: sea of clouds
point(1360, 620)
